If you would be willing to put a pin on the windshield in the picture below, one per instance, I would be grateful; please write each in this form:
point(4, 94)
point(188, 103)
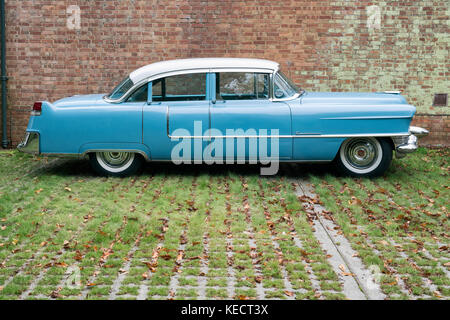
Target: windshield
point(284, 87)
point(121, 89)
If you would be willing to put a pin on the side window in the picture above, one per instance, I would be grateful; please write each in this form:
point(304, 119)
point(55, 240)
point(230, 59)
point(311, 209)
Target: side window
point(140, 95)
point(184, 87)
point(282, 88)
point(242, 86)
point(157, 90)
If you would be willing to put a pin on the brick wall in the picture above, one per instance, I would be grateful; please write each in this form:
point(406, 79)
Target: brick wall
point(438, 125)
point(322, 45)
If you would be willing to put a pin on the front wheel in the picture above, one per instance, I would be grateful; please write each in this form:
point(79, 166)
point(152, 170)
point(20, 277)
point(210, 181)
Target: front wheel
point(364, 157)
point(116, 164)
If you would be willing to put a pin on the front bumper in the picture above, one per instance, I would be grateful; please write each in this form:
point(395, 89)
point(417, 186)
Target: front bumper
point(30, 144)
point(408, 144)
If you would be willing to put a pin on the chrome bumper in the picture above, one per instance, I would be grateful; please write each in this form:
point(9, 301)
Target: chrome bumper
point(30, 144)
point(408, 144)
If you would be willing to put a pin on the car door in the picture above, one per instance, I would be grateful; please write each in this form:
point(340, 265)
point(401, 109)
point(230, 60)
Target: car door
point(177, 113)
point(242, 108)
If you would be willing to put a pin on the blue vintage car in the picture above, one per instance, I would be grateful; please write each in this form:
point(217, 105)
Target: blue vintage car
point(222, 110)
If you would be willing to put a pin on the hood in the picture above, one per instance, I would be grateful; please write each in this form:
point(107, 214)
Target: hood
point(360, 98)
point(81, 101)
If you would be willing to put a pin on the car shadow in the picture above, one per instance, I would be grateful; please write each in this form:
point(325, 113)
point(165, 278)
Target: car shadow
point(82, 168)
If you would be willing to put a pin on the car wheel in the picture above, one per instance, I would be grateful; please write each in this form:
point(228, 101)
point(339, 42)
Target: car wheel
point(364, 157)
point(117, 164)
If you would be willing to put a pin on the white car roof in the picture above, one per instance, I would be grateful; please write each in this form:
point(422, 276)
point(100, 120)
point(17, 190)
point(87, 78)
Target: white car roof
point(200, 63)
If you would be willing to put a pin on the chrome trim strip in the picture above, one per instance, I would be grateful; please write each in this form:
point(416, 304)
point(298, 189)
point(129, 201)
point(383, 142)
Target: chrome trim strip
point(355, 135)
point(366, 118)
point(247, 160)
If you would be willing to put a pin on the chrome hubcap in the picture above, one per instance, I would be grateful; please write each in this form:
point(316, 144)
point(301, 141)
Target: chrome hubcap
point(115, 159)
point(361, 153)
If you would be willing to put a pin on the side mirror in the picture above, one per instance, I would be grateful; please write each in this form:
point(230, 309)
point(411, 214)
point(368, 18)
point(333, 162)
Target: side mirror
point(279, 94)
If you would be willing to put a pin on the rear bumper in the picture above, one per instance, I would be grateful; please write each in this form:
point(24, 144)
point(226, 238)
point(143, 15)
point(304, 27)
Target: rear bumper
point(408, 144)
point(30, 143)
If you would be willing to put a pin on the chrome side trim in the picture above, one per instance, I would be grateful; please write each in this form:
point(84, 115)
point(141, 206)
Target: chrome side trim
point(247, 160)
point(30, 144)
point(354, 135)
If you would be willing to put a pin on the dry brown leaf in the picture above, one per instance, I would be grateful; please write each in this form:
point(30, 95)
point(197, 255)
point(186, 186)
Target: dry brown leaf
point(288, 293)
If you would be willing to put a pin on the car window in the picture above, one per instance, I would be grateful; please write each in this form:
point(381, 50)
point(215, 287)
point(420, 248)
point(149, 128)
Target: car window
point(140, 95)
point(242, 86)
point(283, 87)
point(184, 87)
point(121, 89)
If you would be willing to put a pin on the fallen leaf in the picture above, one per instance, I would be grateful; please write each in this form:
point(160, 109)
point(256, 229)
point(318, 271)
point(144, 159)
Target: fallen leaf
point(67, 189)
point(288, 293)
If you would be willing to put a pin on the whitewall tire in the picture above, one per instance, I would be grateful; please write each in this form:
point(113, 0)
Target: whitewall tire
point(364, 157)
point(115, 163)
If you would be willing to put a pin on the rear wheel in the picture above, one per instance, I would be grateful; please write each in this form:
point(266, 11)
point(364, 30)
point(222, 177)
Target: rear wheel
point(364, 157)
point(117, 164)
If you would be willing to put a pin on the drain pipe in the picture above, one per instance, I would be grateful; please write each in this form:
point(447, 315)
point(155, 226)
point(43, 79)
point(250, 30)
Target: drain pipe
point(3, 77)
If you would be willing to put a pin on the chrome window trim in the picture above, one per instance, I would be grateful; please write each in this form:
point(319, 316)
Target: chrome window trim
point(184, 71)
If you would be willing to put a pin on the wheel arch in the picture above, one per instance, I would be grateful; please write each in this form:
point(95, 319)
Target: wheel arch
point(140, 149)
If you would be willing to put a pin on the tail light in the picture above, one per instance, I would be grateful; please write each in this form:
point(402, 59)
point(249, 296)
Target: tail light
point(37, 109)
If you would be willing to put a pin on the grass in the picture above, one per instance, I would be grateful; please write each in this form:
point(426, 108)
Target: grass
point(398, 223)
point(186, 232)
